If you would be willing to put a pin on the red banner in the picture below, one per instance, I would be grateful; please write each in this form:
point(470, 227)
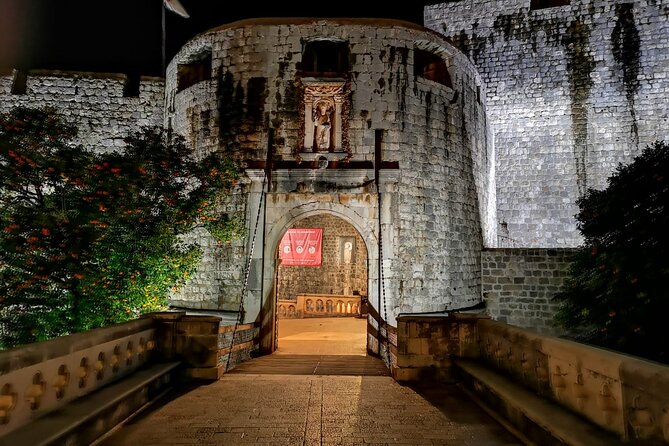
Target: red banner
point(301, 247)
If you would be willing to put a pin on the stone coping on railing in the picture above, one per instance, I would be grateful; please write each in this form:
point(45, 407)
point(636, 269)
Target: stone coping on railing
point(39, 378)
point(30, 354)
point(623, 394)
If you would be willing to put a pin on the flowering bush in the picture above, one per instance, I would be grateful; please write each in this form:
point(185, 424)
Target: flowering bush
point(92, 239)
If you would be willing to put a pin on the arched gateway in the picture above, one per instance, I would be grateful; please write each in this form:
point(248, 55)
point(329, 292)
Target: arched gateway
point(365, 227)
point(404, 155)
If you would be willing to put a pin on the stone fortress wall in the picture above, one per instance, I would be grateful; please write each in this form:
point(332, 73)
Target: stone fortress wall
point(519, 285)
point(106, 107)
point(438, 207)
point(572, 91)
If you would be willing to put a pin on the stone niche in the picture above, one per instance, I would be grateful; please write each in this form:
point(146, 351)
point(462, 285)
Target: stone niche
point(323, 117)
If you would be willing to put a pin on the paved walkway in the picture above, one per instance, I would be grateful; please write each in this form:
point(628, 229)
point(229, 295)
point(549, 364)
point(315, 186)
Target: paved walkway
point(250, 409)
point(323, 336)
point(288, 399)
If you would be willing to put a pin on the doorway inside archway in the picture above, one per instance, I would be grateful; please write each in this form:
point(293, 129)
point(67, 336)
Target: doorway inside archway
point(321, 288)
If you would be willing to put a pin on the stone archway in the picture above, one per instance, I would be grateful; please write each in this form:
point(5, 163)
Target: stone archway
point(279, 220)
point(320, 309)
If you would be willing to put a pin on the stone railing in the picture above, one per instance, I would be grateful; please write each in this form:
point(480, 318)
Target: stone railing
point(41, 378)
point(624, 395)
point(245, 345)
point(73, 389)
point(381, 338)
point(319, 305)
point(203, 345)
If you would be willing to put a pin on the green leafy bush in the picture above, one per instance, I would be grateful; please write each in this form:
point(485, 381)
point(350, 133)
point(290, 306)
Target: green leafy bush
point(618, 285)
point(90, 239)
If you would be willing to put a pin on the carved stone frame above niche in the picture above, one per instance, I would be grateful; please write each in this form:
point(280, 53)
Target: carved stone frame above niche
point(325, 117)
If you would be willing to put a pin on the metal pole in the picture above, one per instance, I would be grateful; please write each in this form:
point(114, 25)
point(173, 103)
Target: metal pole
point(268, 176)
point(378, 138)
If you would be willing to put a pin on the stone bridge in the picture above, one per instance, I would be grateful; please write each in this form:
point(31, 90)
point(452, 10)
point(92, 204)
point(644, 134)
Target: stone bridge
point(172, 378)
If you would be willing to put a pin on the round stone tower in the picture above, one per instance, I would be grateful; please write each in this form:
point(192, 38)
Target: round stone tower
point(380, 123)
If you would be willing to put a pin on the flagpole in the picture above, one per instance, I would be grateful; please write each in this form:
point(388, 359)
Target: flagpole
point(175, 7)
point(162, 6)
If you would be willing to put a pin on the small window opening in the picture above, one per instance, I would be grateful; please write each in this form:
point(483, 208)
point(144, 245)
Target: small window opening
point(193, 72)
point(543, 4)
point(20, 84)
point(325, 59)
point(131, 87)
point(431, 67)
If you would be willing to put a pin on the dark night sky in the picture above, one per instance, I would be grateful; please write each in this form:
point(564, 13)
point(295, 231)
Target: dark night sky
point(125, 35)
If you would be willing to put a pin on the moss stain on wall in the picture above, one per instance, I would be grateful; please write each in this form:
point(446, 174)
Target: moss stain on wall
point(626, 47)
point(580, 65)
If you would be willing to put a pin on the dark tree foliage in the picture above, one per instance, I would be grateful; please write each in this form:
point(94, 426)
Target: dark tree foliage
point(90, 239)
point(618, 289)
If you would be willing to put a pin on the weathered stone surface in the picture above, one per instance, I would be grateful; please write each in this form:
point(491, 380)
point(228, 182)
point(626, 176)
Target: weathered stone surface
point(571, 92)
point(518, 285)
point(436, 211)
point(251, 409)
point(98, 103)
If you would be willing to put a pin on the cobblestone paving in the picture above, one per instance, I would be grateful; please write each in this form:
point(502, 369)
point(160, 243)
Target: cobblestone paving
point(245, 409)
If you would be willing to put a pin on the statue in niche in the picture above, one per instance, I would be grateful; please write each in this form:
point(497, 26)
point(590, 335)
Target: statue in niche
point(347, 253)
point(323, 124)
point(348, 250)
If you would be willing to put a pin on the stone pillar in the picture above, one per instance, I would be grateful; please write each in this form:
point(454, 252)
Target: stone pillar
point(337, 125)
point(191, 339)
point(253, 296)
point(426, 346)
point(308, 122)
point(166, 332)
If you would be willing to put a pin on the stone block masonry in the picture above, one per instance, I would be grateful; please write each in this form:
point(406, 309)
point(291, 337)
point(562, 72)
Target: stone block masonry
point(437, 203)
point(102, 105)
point(518, 285)
point(333, 276)
point(571, 90)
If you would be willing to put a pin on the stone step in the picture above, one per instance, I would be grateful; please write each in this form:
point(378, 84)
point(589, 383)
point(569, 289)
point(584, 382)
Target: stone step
point(534, 419)
point(314, 365)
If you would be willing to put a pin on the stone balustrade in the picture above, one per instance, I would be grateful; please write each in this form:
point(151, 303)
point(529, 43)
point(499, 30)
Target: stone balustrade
point(622, 394)
point(319, 305)
point(73, 389)
point(40, 378)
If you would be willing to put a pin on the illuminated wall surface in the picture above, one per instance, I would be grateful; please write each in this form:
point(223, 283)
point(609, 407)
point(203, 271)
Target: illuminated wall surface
point(101, 104)
point(571, 92)
point(438, 203)
point(491, 134)
point(342, 271)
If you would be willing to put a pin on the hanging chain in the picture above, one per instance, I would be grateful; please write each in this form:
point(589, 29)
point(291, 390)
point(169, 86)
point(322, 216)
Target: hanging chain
point(387, 360)
point(245, 285)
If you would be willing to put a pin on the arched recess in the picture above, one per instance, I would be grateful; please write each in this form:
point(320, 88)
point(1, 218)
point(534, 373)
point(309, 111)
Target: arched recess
point(274, 231)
